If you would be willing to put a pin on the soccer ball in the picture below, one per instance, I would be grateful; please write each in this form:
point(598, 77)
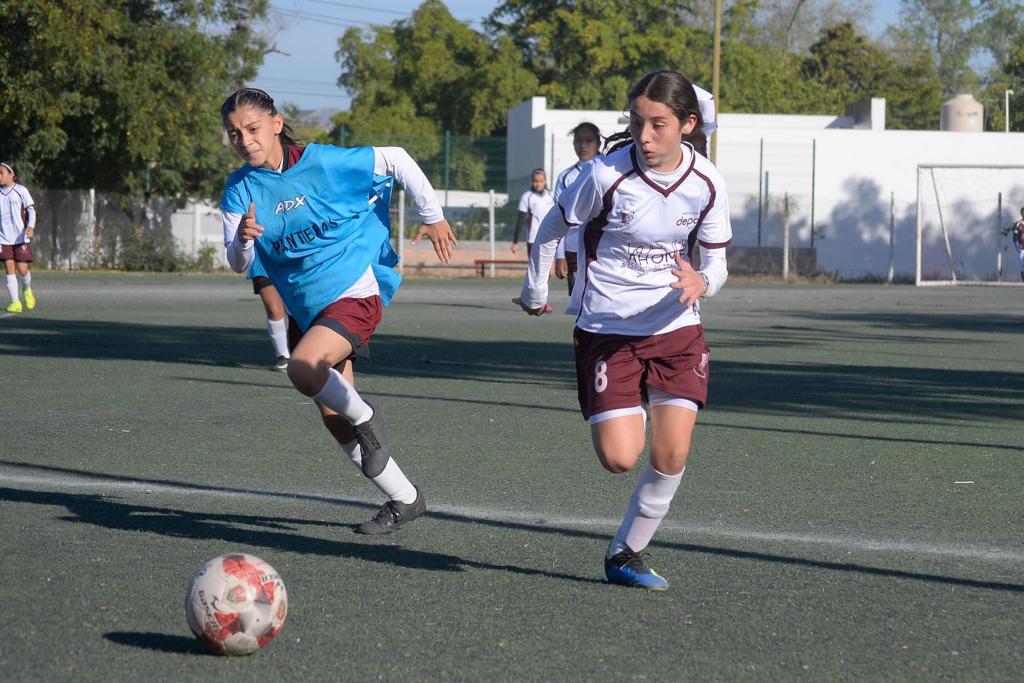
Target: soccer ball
point(236, 604)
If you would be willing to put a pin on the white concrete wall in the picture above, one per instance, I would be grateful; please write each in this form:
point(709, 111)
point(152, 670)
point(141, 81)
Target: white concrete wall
point(855, 170)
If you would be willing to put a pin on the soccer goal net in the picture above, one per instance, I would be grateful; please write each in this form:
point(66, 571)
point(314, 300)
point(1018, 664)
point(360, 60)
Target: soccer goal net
point(963, 212)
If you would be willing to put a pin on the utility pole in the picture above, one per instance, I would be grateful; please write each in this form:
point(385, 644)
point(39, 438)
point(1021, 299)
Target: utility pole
point(716, 67)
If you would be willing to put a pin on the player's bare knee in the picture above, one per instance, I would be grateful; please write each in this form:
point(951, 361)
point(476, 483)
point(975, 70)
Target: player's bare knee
point(306, 376)
point(616, 460)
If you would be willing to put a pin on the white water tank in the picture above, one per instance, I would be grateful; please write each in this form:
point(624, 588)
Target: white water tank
point(962, 114)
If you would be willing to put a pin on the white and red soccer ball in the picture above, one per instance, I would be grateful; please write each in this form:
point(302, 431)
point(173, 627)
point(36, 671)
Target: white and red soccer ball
point(236, 604)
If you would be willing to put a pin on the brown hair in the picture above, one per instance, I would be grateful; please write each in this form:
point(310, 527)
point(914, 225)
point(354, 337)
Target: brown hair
point(675, 91)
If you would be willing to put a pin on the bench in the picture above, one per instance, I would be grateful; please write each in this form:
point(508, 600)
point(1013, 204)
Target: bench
point(482, 263)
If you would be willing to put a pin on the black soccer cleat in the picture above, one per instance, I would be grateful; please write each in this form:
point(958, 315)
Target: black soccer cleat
point(393, 515)
point(373, 443)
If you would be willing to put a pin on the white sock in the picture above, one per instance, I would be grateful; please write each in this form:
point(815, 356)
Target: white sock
point(392, 482)
point(12, 287)
point(648, 506)
point(278, 336)
point(26, 279)
point(341, 397)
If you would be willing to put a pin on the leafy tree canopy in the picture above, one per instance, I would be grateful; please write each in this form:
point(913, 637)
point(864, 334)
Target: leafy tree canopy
point(123, 94)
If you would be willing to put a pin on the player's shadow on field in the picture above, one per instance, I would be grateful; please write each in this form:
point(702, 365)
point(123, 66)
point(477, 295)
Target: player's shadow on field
point(509, 362)
point(805, 389)
point(279, 533)
point(273, 532)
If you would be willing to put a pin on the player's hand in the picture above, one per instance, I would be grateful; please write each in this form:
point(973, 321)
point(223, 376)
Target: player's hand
point(441, 236)
point(515, 247)
point(561, 268)
point(689, 281)
point(248, 228)
point(29, 234)
point(531, 311)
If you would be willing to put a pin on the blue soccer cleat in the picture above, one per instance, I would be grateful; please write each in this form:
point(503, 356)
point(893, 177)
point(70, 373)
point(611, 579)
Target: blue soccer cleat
point(628, 568)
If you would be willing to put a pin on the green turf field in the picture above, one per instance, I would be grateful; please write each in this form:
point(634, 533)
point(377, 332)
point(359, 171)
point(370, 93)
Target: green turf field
point(852, 508)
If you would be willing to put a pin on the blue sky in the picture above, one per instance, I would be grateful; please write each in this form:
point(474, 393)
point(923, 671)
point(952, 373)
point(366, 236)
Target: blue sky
point(307, 32)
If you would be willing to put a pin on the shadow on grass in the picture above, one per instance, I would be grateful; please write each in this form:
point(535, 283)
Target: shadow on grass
point(158, 642)
point(278, 533)
point(892, 393)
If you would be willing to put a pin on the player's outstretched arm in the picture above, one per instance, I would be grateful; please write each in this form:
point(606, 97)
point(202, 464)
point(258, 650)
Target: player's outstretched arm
point(441, 236)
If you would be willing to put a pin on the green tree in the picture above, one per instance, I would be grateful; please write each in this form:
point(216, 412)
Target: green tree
point(851, 67)
point(123, 97)
point(949, 30)
point(586, 55)
point(421, 77)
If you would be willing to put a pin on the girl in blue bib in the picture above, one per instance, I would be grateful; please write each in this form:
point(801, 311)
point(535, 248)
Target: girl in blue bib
point(316, 218)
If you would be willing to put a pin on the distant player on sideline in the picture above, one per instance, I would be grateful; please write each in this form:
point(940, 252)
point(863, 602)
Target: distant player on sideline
point(277, 328)
point(533, 207)
point(17, 228)
point(317, 215)
point(586, 141)
point(642, 208)
point(1017, 235)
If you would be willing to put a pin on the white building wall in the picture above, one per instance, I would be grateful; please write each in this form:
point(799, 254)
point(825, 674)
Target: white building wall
point(855, 172)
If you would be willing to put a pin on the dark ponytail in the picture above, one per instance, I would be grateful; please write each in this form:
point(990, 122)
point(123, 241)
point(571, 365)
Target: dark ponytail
point(676, 92)
point(260, 101)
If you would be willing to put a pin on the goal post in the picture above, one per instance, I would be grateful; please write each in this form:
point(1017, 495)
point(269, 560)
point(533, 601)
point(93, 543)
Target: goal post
point(963, 211)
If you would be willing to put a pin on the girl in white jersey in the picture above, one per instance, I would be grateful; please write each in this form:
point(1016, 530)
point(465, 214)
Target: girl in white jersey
point(641, 209)
point(586, 141)
point(17, 228)
point(317, 216)
point(533, 207)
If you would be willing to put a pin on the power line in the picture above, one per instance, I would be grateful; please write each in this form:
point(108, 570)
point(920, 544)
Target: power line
point(363, 7)
point(320, 18)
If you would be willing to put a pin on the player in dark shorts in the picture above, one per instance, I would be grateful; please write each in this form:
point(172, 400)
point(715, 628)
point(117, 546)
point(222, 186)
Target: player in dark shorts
point(642, 208)
point(17, 228)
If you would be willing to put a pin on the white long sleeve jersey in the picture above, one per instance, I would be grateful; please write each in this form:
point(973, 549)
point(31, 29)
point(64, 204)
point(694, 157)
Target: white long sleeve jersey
point(564, 180)
point(392, 161)
point(632, 222)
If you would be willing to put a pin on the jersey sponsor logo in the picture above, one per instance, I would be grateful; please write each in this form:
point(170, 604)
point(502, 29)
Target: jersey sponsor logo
point(289, 204)
point(688, 220)
point(302, 236)
point(650, 258)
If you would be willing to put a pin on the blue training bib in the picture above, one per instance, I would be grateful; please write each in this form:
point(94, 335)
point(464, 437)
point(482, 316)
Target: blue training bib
point(321, 230)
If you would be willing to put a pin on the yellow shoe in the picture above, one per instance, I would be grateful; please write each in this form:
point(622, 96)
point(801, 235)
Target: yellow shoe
point(30, 299)
point(14, 307)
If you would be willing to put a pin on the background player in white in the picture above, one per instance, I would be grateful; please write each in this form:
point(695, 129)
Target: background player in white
point(311, 212)
point(1017, 235)
point(273, 306)
point(586, 141)
point(642, 208)
point(17, 228)
point(533, 207)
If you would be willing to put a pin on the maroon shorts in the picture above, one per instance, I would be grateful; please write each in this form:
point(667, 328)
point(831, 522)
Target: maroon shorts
point(259, 282)
point(22, 253)
point(613, 370)
point(353, 319)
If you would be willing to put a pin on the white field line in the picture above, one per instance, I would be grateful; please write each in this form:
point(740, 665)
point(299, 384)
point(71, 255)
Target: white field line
point(679, 531)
